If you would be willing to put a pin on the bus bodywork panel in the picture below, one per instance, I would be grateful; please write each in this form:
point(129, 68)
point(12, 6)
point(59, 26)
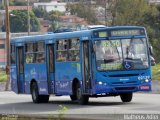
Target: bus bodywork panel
point(13, 77)
point(38, 73)
point(65, 74)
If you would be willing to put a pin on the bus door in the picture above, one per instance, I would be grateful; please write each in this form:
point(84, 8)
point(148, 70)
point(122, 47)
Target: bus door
point(86, 67)
point(20, 69)
point(51, 68)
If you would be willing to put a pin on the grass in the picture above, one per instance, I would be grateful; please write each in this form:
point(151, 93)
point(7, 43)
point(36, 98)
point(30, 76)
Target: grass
point(156, 72)
point(3, 76)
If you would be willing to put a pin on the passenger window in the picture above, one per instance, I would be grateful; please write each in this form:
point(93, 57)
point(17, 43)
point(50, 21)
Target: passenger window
point(29, 47)
point(62, 47)
point(30, 56)
point(40, 47)
point(40, 57)
point(73, 52)
point(35, 52)
point(74, 44)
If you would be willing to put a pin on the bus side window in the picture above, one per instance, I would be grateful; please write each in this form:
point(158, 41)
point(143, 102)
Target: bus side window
point(61, 52)
point(29, 49)
point(73, 52)
point(39, 49)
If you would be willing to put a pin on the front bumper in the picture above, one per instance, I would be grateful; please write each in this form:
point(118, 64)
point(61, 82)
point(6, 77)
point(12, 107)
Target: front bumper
point(99, 89)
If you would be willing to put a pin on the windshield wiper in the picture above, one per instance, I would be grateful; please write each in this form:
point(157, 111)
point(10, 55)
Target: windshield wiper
point(116, 49)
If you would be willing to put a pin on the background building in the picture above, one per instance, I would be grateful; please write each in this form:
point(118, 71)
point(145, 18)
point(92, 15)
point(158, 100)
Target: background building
point(154, 2)
point(2, 50)
point(54, 5)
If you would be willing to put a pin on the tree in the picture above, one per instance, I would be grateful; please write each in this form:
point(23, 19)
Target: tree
point(53, 27)
point(40, 12)
point(53, 16)
point(152, 24)
point(130, 12)
point(19, 3)
point(18, 21)
point(84, 11)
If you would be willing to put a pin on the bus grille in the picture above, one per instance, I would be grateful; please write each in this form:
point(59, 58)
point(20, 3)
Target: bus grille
point(125, 88)
point(124, 75)
point(125, 83)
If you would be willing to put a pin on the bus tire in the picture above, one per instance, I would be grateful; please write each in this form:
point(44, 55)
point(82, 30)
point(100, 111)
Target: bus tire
point(35, 94)
point(73, 97)
point(126, 97)
point(44, 98)
point(82, 99)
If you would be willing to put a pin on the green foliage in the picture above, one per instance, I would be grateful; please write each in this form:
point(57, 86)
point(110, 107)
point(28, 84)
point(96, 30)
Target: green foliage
point(39, 12)
point(62, 110)
point(19, 18)
point(19, 3)
point(84, 11)
point(1, 7)
point(11, 3)
point(3, 76)
point(132, 12)
point(53, 27)
point(54, 15)
point(156, 72)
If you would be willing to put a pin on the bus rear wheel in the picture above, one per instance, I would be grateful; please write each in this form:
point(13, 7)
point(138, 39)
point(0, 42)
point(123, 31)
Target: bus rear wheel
point(126, 97)
point(36, 98)
point(82, 99)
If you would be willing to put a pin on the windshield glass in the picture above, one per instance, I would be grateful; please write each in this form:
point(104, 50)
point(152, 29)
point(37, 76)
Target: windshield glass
point(121, 54)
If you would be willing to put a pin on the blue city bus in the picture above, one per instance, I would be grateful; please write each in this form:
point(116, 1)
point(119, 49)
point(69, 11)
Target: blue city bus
point(111, 61)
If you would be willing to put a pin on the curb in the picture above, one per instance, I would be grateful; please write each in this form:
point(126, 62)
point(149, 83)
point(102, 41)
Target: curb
point(49, 117)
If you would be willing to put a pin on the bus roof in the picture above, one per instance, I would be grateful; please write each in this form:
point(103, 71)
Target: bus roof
point(66, 35)
point(51, 36)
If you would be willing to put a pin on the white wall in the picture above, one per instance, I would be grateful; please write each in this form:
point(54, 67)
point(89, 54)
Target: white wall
point(54, 5)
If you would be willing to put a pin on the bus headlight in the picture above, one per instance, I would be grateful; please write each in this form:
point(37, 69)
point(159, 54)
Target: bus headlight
point(146, 80)
point(101, 83)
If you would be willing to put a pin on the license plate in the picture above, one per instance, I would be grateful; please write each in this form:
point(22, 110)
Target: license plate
point(144, 87)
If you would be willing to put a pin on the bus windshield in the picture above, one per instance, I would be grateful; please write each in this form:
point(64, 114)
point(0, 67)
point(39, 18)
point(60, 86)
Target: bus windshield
point(121, 54)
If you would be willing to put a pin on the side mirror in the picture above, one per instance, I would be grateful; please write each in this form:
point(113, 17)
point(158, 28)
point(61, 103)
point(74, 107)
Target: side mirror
point(153, 63)
point(151, 50)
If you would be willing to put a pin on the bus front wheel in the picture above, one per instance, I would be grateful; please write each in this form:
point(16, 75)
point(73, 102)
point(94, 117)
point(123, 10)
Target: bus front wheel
point(82, 99)
point(126, 97)
point(73, 97)
point(35, 95)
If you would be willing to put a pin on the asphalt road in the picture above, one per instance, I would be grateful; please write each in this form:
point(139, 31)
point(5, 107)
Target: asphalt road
point(98, 108)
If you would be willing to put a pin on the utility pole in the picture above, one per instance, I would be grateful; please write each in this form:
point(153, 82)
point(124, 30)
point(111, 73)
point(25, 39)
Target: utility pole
point(7, 44)
point(105, 16)
point(28, 17)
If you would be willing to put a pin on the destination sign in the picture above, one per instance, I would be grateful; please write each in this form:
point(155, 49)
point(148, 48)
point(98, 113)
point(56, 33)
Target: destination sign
point(129, 32)
point(118, 33)
point(100, 34)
